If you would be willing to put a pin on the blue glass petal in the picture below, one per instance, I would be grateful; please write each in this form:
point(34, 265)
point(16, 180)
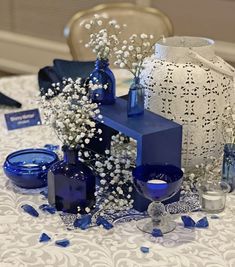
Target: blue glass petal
point(83, 222)
point(63, 242)
point(202, 223)
point(30, 210)
point(102, 221)
point(52, 147)
point(157, 233)
point(214, 216)
point(47, 208)
point(144, 249)
point(44, 238)
point(44, 193)
point(188, 221)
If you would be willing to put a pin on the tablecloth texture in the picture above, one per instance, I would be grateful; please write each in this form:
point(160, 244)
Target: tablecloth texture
point(119, 247)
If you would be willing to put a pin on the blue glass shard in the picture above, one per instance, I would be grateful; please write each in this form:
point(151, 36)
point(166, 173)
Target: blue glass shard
point(202, 223)
point(214, 216)
point(102, 221)
point(63, 242)
point(44, 238)
point(144, 249)
point(83, 222)
point(30, 210)
point(157, 233)
point(52, 147)
point(44, 193)
point(47, 208)
point(188, 221)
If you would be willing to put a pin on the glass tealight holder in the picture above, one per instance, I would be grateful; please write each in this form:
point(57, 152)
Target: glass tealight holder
point(212, 195)
point(28, 168)
point(157, 183)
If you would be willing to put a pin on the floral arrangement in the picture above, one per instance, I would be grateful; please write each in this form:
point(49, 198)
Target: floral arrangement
point(228, 125)
point(103, 40)
point(132, 53)
point(70, 113)
point(115, 172)
point(210, 170)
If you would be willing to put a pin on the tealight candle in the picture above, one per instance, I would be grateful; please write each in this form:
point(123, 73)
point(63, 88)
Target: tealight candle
point(156, 181)
point(213, 201)
point(29, 165)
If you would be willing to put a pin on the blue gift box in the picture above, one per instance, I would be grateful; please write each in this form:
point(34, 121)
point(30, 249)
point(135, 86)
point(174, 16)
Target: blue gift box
point(159, 140)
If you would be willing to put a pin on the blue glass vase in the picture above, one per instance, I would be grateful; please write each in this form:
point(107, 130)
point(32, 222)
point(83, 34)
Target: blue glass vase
point(103, 78)
point(228, 172)
point(135, 104)
point(71, 184)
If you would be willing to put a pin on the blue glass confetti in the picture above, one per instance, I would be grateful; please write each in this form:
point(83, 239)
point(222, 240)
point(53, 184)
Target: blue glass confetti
point(52, 147)
point(44, 238)
point(47, 208)
point(214, 216)
point(83, 222)
point(144, 249)
point(62, 243)
point(202, 223)
point(44, 193)
point(30, 210)
point(102, 221)
point(188, 221)
point(157, 233)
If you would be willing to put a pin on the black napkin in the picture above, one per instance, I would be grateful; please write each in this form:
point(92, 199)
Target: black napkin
point(63, 69)
point(7, 101)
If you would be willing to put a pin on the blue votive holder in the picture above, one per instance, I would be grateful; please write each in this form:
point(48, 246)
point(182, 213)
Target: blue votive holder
point(157, 182)
point(28, 168)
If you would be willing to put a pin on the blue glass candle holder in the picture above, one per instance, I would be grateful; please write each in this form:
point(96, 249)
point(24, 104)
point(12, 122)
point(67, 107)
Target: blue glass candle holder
point(28, 168)
point(157, 183)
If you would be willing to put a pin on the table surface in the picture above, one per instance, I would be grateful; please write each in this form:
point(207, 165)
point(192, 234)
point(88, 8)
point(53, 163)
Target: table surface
point(120, 247)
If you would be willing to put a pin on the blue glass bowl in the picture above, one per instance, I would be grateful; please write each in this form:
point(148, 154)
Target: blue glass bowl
point(170, 174)
point(28, 168)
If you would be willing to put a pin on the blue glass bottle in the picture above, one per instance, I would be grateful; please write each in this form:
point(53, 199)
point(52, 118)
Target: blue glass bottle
point(135, 104)
point(103, 76)
point(228, 172)
point(71, 184)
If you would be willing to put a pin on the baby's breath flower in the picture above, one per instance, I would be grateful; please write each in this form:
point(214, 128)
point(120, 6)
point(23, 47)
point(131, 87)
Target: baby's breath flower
point(132, 54)
point(87, 209)
point(70, 113)
point(103, 40)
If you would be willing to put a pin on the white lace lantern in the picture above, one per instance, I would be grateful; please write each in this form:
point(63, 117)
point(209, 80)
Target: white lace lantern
point(185, 81)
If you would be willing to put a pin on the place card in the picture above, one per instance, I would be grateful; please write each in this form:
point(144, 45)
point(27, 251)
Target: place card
point(22, 119)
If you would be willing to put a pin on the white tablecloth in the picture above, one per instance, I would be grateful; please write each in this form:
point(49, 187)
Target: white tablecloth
point(120, 247)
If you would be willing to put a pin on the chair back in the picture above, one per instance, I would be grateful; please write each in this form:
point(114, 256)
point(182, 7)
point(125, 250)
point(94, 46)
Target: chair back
point(138, 20)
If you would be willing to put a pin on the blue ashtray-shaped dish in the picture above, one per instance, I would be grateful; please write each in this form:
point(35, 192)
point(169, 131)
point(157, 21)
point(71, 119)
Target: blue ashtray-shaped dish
point(28, 168)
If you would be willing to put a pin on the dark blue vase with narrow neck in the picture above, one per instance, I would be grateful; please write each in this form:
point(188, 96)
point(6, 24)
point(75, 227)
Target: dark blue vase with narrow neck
point(71, 184)
point(135, 104)
point(103, 80)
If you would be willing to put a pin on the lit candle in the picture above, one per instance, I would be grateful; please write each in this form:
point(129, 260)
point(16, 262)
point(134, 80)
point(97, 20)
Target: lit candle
point(213, 201)
point(30, 165)
point(156, 181)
